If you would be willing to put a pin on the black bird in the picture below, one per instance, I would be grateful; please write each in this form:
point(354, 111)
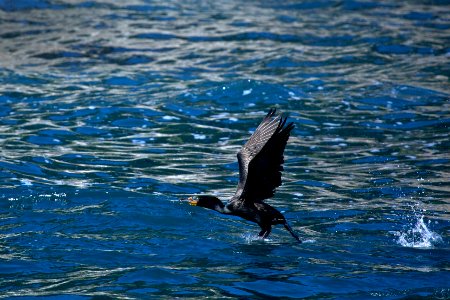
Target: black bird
point(260, 165)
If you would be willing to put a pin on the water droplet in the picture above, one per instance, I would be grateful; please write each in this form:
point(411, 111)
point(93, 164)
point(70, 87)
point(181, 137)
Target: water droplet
point(419, 236)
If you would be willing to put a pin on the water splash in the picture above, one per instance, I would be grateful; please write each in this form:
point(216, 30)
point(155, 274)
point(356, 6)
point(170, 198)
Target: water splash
point(251, 237)
point(420, 236)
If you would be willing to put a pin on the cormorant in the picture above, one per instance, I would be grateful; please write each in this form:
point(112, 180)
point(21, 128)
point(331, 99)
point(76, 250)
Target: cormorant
point(260, 165)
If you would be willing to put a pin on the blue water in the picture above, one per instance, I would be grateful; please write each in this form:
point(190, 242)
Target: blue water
point(112, 112)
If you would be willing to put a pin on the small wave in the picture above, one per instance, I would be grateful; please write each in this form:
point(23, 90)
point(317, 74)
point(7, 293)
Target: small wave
point(309, 241)
point(250, 237)
point(419, 236)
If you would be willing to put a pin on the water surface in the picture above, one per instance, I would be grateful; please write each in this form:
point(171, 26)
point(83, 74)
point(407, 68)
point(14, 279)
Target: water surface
point(110, 112)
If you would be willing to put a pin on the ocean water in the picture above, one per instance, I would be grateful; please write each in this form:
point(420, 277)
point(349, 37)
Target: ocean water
point(111, 111)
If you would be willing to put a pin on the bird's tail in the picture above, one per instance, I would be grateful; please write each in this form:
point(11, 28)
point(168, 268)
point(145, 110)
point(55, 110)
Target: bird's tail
point(288, 228)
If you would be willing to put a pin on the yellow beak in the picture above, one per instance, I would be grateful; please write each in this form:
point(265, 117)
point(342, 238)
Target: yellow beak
point(192, 201)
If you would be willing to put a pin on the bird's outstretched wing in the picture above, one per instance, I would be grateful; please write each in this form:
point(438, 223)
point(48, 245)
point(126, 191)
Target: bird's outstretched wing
point(261, 159)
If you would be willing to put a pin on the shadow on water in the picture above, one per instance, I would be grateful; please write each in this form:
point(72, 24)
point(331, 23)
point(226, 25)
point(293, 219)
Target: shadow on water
point(110, 112)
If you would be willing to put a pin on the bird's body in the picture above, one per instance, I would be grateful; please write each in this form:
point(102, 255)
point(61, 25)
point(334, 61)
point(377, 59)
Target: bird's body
point(260, 165)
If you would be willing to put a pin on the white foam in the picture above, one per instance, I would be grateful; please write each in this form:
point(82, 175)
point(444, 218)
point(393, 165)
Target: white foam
point(199, 136)
point(332, 124)
point(419, 236)
point(310, 241)
point(170, 118)
point(26, 182)
point(247, 92)
point(251, 237)
point(138, 142)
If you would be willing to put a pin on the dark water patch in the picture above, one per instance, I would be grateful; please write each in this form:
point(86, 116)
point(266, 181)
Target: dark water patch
point(437, 161)
point(314, 183)
point(14, 6)
point(157, 276)
point(135, 60)
point(436, 25)
point(56, 55)
point(12, 78)
point(399, 116)
point(26, 168)
point(150, 8)
point(131, 123)
point(363, 5)
point(415, 15)
point(443, 124)
point(307, 5)
point(274, 288)
point(320, 41)
point(395, 192)
point(373, 159)
point(360, 228)
point(382, 181)
point(121, 80)
point(43, 140)
point(251, 92)
point(155, 36)
point(396, 49)
point(19, 34)
point(389, 102)
point(85, 130)
point(431, 96)
point(5, 110)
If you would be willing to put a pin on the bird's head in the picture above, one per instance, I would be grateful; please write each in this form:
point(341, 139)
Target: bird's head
point(206, 201)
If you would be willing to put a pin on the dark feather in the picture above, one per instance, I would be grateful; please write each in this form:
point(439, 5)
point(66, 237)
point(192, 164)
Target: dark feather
point(261, 159)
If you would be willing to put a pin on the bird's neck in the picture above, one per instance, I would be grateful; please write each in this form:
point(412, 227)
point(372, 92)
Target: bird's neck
point(220, 207)
point(215, 204)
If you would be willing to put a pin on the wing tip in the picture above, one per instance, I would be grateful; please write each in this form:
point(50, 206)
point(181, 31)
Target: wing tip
point(290, 126)
point(283, 126)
